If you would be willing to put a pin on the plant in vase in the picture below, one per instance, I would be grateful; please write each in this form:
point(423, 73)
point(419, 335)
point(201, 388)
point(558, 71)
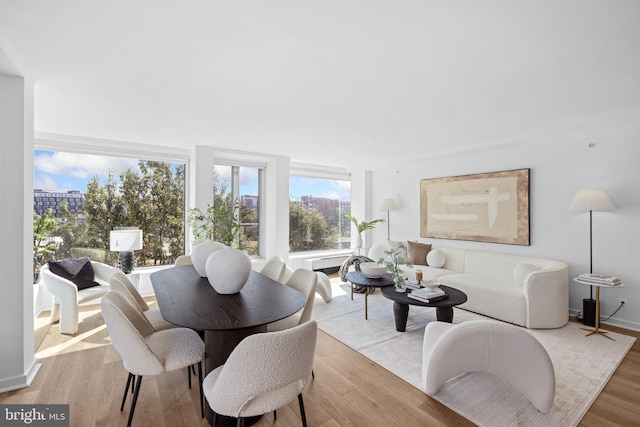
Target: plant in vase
point(393, 262)
point(362, 226)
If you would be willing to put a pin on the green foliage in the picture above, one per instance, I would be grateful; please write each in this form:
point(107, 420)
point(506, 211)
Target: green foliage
point(308, 229)
point(216, 223)
point(363, 225)
point(43, 246)
point(394, 261)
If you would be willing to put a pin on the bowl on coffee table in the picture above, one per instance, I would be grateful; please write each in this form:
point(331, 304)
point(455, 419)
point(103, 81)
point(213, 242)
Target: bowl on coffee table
point(373, 270)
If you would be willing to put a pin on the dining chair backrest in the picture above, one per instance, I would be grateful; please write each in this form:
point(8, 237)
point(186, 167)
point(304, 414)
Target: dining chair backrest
point(304, 281)
point(264, 372)
point(124, 282)
point(183, 260)
point(274, 268)
point(127, 328)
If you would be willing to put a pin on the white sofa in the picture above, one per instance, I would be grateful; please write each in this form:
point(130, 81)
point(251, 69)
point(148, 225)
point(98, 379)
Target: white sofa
point(523, 290)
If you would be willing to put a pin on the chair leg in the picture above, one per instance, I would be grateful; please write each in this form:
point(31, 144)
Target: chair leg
point(313, 374)
point(275, 415)
point(302, 414)
point(126, 390)
point(189, 375)
point(240, 422)
point(135, 400)
point(201, 392)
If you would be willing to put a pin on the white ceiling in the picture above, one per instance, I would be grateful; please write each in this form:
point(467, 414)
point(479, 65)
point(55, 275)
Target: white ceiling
point(345, 83)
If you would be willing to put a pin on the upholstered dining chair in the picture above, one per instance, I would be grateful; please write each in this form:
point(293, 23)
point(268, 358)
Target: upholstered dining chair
point(263, 373)
point(145, 351)
point(274, 268)
point(121, 283)
point(183, 260)
point(67, 297)
point(303, 281)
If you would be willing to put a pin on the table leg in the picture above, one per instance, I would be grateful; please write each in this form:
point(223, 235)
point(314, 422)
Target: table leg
point(218, 347)
point(597, 322)
point(366, 305)
point(401, 314)
point(444, 314)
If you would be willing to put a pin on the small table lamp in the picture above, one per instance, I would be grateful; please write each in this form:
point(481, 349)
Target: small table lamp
point(388, 205)
point(125, 241)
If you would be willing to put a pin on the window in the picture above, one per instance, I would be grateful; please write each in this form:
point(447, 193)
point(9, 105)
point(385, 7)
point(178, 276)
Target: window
point(80, 198)
point(317, 213)
point(238, 190)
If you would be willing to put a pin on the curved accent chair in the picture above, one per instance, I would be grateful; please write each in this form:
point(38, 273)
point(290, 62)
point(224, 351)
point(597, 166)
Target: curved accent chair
point(501, 349)
point(263, 373)
point(121, 283)
point(303, 281)
point(145, 351)
point(183, 260)
point(274, 269)
point(67, 297)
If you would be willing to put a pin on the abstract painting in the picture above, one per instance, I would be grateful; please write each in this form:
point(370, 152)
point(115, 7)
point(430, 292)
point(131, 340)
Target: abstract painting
point(486, 207)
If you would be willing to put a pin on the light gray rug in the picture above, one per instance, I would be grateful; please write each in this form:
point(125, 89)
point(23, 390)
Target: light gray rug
point(583, 365)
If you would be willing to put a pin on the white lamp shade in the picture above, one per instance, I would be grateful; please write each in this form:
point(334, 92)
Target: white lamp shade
point(388, 205)
point(591, 199)
point(125, 240)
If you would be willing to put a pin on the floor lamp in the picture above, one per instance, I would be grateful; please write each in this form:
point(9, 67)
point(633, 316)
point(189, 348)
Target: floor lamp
point(388, 205)
point(590, 199)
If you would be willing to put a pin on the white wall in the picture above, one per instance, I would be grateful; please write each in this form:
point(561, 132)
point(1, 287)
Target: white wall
point(18, 365)
point(561, 163)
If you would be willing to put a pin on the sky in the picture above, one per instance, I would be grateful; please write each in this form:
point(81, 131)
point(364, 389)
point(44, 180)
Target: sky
point(70, 171)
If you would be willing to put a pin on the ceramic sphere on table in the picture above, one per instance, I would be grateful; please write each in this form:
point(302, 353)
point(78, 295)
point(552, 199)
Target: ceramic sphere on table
point(228, 270)
point(201, 252)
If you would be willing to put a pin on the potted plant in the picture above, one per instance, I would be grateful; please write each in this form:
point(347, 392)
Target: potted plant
point(216, 223)
point(393, 262)
point(362, 226)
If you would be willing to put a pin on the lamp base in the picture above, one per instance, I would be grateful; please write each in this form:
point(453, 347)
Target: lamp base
point(589, 312)
point(126, 261)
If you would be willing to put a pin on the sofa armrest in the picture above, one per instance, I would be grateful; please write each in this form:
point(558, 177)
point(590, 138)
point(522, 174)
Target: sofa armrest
point(547, 294)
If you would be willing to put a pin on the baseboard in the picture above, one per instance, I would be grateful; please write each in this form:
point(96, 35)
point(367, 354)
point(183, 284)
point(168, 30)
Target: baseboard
point(621, 323)
point(21, 381)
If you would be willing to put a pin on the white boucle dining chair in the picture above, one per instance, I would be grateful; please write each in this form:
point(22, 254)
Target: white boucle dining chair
point(274, 268)
point(121, 283)
point(145, 351)
point(263, 373)
point(183, 260)
point(303, 281)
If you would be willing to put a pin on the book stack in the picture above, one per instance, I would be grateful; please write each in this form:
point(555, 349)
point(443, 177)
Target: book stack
point(598, 279)
point(425, 295)
point(413, 284)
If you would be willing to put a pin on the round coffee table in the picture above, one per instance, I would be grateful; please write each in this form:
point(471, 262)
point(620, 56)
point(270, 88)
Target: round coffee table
point(444, 307)
point(359, 278)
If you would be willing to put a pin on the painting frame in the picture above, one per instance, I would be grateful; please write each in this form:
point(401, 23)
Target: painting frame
point(490, 207)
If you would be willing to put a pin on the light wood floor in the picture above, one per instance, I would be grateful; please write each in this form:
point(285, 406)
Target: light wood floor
point(349, 390)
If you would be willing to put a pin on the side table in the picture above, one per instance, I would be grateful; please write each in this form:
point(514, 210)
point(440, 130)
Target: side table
point(597, 322)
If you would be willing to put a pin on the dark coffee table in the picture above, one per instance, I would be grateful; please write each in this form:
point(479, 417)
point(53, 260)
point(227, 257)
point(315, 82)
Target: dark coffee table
point(444, 307)
point(359, 278)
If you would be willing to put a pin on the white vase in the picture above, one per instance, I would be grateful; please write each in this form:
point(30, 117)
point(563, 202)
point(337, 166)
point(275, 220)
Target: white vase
point(201, 252)
point(228, 270)
point(358, 242)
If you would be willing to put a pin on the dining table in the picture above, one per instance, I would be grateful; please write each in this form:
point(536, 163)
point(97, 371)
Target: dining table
point(187, 299)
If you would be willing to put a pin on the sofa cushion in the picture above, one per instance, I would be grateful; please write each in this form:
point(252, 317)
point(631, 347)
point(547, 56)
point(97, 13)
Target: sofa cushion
point(522, 270)
point(77, 270)
point(436, 258)
point(417, 252)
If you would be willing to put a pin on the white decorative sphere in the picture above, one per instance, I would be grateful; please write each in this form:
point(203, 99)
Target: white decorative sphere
point(200, 253)
point(228, 270)
point(436, 258)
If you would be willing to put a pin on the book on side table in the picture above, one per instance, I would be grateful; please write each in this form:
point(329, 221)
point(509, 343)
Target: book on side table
point(426, 295)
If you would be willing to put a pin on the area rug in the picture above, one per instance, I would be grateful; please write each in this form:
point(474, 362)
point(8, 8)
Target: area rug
point(583, 365)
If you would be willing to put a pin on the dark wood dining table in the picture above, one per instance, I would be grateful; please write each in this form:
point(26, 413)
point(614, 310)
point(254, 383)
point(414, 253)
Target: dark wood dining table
point(186, 299)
